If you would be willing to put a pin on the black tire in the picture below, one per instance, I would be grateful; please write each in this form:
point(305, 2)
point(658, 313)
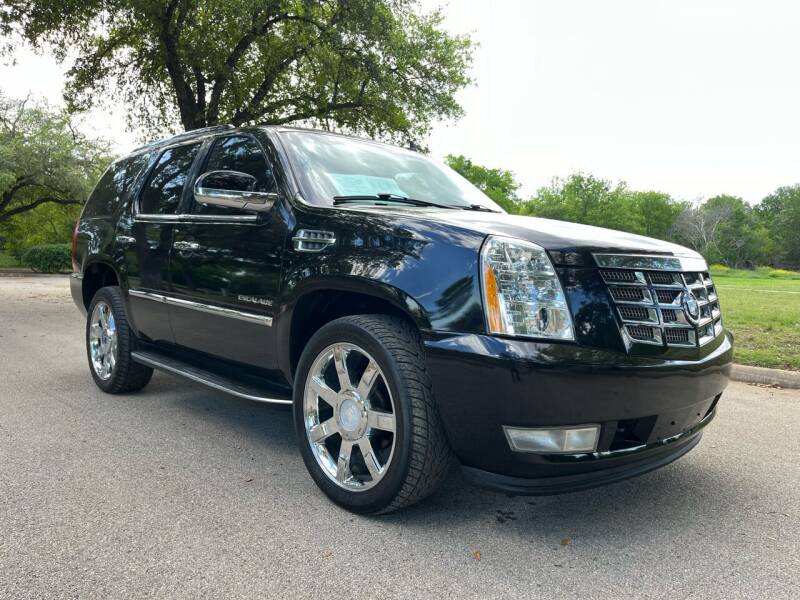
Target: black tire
point(422, 454)
point(127, 375)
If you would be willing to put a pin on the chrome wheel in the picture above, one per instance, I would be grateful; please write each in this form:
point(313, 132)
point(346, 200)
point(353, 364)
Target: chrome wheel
point(349, 417)
point(103, 340)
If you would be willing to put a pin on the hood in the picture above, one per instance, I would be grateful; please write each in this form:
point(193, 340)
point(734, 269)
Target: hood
point(567, 243)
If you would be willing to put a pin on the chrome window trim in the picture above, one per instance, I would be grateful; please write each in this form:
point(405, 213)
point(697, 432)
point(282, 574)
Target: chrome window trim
point(191, 218)
point(206, 308)
point(650, 262)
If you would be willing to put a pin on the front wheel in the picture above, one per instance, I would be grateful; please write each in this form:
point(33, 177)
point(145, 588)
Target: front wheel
point(367, 426)
point(109, 343)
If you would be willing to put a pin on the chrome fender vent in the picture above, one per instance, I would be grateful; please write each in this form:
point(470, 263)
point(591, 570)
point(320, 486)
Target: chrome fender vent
point(313, 240)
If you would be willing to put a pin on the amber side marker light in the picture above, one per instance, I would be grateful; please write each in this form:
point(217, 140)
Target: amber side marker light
point(493, 314)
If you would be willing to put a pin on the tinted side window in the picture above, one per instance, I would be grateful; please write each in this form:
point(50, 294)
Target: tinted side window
point(114, 186)
point(238, 154)
point(164, 189)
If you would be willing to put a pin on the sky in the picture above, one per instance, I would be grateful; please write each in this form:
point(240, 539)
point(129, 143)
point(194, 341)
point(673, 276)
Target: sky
point(690, 97)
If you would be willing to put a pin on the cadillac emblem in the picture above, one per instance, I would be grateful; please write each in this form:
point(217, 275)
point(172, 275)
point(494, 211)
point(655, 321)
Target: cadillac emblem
point(691, 307)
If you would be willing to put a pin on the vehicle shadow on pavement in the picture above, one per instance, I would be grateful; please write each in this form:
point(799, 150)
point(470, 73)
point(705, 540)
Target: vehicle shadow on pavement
point(679, 496)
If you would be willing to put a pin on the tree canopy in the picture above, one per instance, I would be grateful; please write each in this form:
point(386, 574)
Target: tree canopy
point(586, 199)
point(44, 159)
point(779, 213)
point(378, 67)
point(498, 184)
point(724, 228)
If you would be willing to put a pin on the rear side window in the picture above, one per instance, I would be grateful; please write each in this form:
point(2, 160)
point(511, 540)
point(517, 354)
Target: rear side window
point(114, 186)
point(164, 188)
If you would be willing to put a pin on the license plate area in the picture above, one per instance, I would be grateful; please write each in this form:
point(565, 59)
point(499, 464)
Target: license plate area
point(630, 433)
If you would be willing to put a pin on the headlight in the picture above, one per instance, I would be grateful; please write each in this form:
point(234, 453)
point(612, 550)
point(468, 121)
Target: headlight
point(521, 291)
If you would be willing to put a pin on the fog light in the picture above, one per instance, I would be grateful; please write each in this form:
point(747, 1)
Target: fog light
point(554, 440)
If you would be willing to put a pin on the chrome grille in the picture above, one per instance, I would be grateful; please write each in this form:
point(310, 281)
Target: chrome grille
point(669, 296)
point(643, 333)
point(673, 335)
point(632, 294)
point(635, 313)
point(662, 277)
point(652, 308)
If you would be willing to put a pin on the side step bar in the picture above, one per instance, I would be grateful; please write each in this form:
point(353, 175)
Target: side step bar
point(168, 364)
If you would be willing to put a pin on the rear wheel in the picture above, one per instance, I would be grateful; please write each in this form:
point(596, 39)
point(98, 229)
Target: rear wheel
point(366, 421)
point(109, 343)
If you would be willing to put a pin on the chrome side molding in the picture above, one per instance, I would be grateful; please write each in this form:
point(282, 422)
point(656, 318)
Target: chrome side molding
point(206, 308)
point(191, 218)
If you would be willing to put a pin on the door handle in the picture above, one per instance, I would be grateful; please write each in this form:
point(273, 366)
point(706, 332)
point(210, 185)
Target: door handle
point(186, 246)
point(126, 239)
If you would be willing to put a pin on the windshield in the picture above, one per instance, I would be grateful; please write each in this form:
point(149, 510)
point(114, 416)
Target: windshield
point(331, 166)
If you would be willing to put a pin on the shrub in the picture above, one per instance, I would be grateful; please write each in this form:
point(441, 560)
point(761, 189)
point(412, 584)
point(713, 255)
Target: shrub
point(49, 258)
point(718, 269)
point(783, 274)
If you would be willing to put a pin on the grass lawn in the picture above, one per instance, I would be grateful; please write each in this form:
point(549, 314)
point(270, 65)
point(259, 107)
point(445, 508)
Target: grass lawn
point(8, 262)
point(762, 308)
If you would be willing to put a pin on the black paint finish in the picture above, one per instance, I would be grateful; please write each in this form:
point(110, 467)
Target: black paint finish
point(421, 263)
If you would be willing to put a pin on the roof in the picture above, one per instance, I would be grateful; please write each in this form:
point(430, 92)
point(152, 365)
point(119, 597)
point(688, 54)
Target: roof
point(205, 131)
point(186, 135)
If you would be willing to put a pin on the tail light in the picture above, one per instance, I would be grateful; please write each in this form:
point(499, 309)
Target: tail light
point(76, 268)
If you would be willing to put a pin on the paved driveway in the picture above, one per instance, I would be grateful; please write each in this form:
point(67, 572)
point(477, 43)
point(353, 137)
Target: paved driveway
point(183, 492)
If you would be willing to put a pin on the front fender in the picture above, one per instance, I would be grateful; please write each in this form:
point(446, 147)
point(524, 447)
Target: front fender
point(429, 270)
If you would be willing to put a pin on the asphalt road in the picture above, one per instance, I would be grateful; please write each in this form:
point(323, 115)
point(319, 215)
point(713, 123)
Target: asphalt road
point(184, 492)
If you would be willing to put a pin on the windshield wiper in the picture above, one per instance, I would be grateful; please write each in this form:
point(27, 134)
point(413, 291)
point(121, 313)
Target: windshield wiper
point(478, 207)
point(386, 198)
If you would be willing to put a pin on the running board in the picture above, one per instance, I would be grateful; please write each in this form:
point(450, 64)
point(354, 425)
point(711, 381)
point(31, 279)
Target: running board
point(159, 361)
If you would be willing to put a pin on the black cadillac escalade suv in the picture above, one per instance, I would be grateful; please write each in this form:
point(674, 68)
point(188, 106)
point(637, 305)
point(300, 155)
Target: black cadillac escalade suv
point(405, 317)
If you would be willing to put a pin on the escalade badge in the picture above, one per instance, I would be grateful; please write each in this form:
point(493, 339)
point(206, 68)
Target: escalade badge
point(691, 307)
point(255, 300)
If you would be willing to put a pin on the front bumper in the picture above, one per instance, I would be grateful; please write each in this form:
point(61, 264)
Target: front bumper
point(651, 410)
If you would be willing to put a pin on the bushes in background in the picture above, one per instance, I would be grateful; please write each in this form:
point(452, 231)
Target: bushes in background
point(49, 258)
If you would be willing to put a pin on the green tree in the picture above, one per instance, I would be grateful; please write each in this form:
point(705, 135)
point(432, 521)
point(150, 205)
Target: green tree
point(741, 239)
point(582, 198)
point(724, 229)
point(380, 67)
point(657, 212)
point(779, 213)
point(47, 169)
point(498, 184)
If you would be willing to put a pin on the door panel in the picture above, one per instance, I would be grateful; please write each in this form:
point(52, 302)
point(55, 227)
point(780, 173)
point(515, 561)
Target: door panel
point(229, 260)
point(146, 237)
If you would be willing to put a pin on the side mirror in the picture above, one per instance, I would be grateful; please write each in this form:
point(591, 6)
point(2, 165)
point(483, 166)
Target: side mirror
point(232, 189)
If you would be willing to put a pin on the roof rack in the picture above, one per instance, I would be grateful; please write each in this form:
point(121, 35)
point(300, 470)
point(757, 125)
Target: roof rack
point(185, 135)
